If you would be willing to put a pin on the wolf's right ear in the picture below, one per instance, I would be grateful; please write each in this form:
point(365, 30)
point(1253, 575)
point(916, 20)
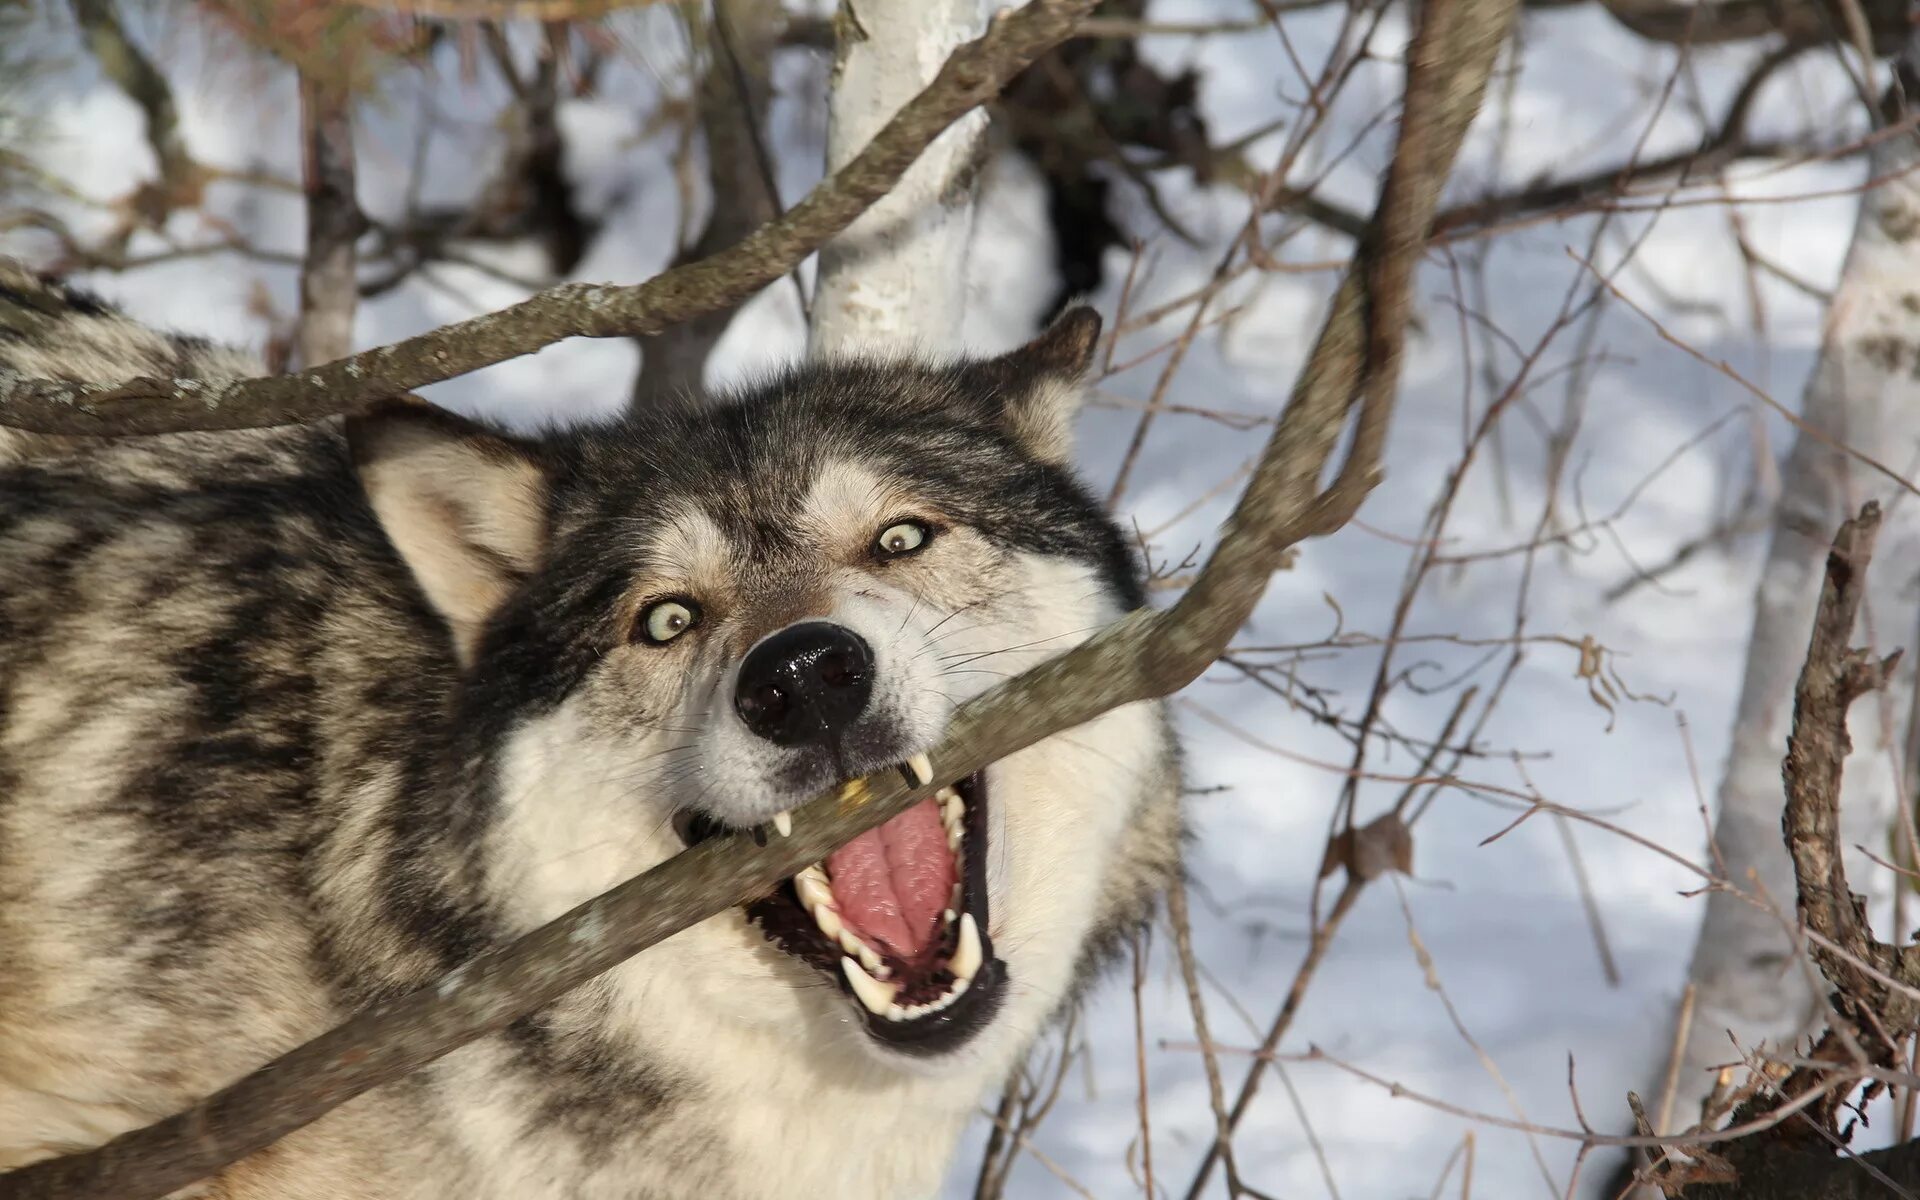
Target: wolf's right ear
point(1040, 387)
point(464, 506)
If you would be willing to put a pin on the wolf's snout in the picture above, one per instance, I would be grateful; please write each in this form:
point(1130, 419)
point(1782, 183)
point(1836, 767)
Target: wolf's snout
point(806, 682)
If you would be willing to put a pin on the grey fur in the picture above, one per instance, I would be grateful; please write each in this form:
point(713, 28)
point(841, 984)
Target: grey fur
point(252, 774)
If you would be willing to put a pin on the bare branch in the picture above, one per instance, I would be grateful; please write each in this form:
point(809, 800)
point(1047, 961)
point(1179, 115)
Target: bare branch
point(972, 75)
point(1833, 677)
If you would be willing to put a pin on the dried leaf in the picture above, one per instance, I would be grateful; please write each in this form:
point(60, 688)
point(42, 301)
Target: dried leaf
point(1383, 844)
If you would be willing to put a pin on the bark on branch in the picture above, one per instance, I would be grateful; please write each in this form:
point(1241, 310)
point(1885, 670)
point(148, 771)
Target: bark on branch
point(1354, 364)
point(1833, 677)
point(972, 76)
point(1793, 1160)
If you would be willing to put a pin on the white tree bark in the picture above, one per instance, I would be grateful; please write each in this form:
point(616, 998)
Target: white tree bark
point(1864, 394)
point(896, 279)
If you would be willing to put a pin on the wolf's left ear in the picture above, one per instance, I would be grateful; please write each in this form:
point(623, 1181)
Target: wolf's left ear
point(464, 506)
point(1040, 385)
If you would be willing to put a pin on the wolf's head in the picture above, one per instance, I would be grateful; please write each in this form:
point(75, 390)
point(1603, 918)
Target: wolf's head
point(696, 618)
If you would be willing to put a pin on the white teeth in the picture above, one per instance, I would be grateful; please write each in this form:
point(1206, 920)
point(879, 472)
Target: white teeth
point(953, 815)
point(829, 922)
point(967, 956)
point(783, 823)
point(914, 1012)
point(948, 916)
point(875, 995)
point(851, 943)
point(922, 768)
point(816, 896)
point(815, 891)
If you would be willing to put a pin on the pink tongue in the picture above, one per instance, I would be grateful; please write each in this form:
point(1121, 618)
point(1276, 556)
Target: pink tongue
point(892, 884)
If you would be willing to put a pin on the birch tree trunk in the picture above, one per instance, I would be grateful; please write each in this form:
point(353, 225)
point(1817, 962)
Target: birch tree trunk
point(896, 279)
point(1864, 395)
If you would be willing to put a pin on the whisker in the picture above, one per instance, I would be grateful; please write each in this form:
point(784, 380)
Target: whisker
point(1022, 646)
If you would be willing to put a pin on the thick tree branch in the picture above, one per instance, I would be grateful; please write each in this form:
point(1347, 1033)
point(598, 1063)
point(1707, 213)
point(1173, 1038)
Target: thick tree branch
point(1146, 655)
point(1794, 1159)
point(1833, 677)
point(973, 75)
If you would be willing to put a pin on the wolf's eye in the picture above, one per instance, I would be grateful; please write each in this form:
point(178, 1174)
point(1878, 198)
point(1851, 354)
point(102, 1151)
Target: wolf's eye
point(668, 619)
point(903, 537)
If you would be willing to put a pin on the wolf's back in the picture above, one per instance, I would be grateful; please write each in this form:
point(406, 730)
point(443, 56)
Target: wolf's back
point(49, 330)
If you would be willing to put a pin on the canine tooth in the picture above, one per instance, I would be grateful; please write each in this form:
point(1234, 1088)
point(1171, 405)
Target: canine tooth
point(783, 823)
point(922, 768)
point(966, 957)
point(876, 996)
point(829, 922)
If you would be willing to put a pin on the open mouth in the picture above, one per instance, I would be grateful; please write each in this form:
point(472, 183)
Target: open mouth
point(898, 917)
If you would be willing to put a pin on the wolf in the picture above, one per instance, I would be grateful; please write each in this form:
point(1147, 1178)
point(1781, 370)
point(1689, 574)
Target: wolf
point(295, 719)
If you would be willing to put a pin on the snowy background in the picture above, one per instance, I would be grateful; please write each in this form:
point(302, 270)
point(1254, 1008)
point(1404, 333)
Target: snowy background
point(1504, 922)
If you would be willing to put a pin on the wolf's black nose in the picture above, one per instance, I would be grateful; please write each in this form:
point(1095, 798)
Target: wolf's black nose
point(807, 682)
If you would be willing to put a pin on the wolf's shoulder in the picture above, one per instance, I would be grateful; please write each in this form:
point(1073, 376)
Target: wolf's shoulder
point(52, 330)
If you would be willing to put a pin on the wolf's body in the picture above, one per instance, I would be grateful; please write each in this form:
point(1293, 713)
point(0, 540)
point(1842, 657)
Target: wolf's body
point(258, 766)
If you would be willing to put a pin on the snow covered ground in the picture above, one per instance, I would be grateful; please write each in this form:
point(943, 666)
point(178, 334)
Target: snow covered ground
point(1503, 922)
